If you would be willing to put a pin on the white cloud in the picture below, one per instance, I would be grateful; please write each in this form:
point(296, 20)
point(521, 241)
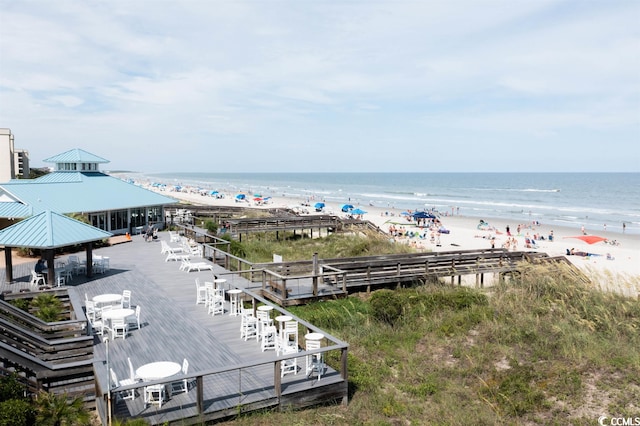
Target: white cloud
point(358, 74)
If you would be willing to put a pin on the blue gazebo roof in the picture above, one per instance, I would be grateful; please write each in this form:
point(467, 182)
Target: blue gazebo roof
point(48, 230)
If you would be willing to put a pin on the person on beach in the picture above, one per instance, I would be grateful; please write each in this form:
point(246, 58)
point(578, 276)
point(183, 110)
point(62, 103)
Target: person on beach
point(508, 231)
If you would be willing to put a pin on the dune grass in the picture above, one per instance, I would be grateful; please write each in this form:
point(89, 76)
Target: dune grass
point(537, 349)
point(260, 247)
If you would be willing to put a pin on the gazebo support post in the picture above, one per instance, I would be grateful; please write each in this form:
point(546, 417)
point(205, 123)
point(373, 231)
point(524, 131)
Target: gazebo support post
point(48, 255)
point(89, 249)
point(8, 265)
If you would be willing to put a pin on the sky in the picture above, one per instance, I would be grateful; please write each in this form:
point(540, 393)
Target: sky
point(325, 86)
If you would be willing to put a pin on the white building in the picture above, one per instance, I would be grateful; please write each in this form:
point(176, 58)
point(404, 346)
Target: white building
point(14, 163)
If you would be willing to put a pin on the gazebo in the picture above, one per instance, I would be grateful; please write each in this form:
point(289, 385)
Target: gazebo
point(47, 231)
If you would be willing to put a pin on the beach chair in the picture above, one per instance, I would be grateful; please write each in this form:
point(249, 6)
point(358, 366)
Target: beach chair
point(189, 266)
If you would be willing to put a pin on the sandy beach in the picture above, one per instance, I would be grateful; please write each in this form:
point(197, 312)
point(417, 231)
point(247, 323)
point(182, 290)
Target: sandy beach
point(612, 265)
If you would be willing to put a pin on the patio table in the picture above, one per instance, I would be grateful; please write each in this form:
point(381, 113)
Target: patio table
point(108, 299)
point(158, 370)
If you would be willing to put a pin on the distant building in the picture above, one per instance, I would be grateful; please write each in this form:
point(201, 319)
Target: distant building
point(7, 163)
point(21, 163)
point(14, 163)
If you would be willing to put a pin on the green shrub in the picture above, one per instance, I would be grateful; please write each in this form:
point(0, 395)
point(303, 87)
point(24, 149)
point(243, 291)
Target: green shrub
point(11, 388)
point(386, 306)
point(47, 307)
point(211, 227)
point(22, 304)
point(16, 412)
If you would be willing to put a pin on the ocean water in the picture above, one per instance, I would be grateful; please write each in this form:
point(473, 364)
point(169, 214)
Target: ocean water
point(592, 200)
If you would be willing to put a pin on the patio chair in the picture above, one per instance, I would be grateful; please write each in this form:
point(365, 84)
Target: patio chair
point(154, 395)
point(269, 337)
point(126, 299)
point(134, 320)
point(216, 303)
point(115, 383)
point(189, 266)
point(93, 315)
point(315, 362)
point(248, 325)
point(132, 371)
point(37, 278)
point(201, 292)
point(119, 328)
point(181, 385)
point(174, 237)
point(172, 254)
point(290, 365)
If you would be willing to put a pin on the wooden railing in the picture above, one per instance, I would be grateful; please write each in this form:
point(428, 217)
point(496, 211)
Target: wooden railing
point(56, 357)
point(324, 390)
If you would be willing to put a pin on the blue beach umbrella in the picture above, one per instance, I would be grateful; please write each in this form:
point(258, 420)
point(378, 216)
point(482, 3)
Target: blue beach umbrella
point(213, 193)
point(240, 197)
point(357, 211)
point(423, 215)
point(346, 207)
point(319, 206)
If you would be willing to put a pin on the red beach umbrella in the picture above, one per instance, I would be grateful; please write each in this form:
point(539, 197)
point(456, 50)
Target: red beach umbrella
point(589, 239)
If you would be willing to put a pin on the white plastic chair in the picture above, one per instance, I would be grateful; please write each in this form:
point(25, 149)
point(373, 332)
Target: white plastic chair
point(93, 315)
point(36, 278)
point(290, 365)
point(288, 336)
point(269, 337)
point(154, 395)
point(126, 299)
point(134, 320)
point(181, 385)
point(315, 362)
point(248, 325)
point(115, 383)
point(132, 371)
point(201, 292)
point(264, 321)
point(119, 328)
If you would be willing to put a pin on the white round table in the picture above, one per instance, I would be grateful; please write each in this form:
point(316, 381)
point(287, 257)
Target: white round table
point(218, 282)
point(234, 301)
point(314, 336)
point(120, 313)
point(108, 299)
point(158, 370)
point(281, 319)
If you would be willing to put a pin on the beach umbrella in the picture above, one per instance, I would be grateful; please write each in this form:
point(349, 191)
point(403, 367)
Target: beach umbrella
point(257, 195)
point(213, 193)
point(357, 211)
point(423, 215)
point(405, 213)
point(240, 197)
point(346, 207)
point(257, 199)
point(319, 206)
point(589, 239)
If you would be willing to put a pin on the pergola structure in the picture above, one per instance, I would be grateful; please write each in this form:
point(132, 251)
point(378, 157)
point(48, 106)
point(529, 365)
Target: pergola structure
point(48, 231)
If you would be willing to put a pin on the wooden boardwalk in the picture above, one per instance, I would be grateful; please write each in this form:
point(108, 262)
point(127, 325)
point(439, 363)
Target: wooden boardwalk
point(235, 375)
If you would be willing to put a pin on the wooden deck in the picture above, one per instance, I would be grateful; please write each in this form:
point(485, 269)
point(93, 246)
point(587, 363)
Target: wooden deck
point(227, 373)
